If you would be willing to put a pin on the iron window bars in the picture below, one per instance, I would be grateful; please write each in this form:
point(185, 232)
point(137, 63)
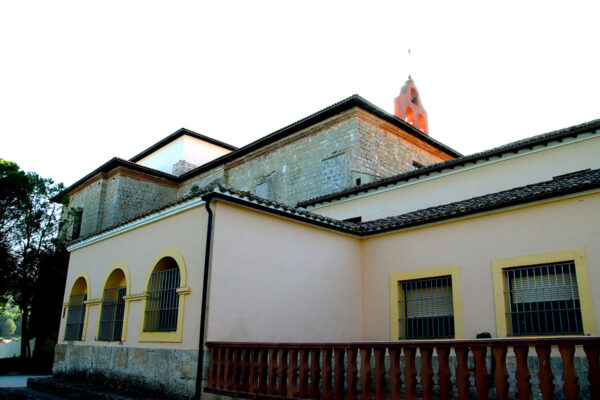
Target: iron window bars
point(111, 315)
point(163, 301)
point(75, 317)
point(426, 308)
point(543, 300)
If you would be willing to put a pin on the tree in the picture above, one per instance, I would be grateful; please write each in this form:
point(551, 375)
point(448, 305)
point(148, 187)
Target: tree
point(29, 226)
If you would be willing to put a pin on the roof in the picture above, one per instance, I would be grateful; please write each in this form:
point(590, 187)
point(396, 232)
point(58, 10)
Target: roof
point(563, 185)
point(319, 116)
point(109, 166)
point(513, 147)
point(176, 135)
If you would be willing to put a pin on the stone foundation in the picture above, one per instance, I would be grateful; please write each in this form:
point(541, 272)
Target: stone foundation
point(164, 373)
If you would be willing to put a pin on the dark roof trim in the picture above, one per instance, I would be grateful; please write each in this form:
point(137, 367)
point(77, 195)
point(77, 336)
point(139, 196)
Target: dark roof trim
point(560, 186)
point(109, 166)
point(176, 135)
point(514, 147)
point(320, 222)
point(576, 182)
point(344, 105)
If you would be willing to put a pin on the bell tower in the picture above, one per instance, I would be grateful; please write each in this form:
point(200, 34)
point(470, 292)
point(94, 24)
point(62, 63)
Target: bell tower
point(408, 107)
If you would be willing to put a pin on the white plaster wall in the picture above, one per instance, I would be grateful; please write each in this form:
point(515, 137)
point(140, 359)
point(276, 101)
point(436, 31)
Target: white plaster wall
point(278, 280)
point(472, 244)
point(137, 248)
point(187, 148)
point(486, 178)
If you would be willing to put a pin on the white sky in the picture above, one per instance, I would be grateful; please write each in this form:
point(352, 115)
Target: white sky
point(82, 81)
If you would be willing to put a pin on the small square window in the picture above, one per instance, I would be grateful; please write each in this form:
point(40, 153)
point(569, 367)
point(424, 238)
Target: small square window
point(426, 308)
point(416, 165)
point(543, 300)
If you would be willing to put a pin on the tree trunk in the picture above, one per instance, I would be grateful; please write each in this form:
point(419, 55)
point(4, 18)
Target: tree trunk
point(24, 331)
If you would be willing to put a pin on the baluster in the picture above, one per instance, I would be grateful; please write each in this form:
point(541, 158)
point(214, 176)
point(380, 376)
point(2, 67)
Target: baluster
point(501, 374)
point(591, 351)
point(545, 373)
point(426, 372)
point(443, 354)
point(263, 371)
point(254, 369)
point(395, 373)
point(234, 376)
point(272, 372)
point(481, 372)
point(379, 375)
point(222, 363)
point(522, 375)
point(366, 373)
point(569, 375)
point(462, 372)
point(351, 374)
point(315, 372)
point(212, 379)
point(410, 372)
point(230, 368)
point(327, 373)
point(338, 374)
point(245, 373)
point(293, 385)
point(282, 373)
point(303, 390)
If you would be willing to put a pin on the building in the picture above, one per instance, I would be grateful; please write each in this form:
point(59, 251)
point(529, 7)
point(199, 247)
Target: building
point(351, 225)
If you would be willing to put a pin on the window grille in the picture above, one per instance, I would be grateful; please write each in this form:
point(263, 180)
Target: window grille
point(426, 308)
point(75, 317)
point(163, 301)
point(543, 300)
point(111, 315)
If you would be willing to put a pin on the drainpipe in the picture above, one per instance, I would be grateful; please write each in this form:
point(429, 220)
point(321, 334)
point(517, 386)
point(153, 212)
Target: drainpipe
point(204, 309)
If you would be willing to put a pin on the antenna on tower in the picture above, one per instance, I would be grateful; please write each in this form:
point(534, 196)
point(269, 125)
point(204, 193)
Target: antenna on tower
point(409, 64)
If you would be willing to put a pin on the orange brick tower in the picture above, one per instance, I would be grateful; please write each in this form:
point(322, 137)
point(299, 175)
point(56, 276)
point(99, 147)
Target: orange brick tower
point(408, 107)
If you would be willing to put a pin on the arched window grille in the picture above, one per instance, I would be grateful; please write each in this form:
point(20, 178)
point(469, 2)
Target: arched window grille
point(162, 303)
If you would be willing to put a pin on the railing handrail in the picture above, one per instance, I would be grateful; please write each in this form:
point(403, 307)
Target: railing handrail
point(537, 341)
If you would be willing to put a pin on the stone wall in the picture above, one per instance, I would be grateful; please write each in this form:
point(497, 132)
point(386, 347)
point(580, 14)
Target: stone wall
point(169, 374)
point(90, 199)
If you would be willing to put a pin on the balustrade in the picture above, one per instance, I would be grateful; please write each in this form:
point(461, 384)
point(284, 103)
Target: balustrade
point(440, 369)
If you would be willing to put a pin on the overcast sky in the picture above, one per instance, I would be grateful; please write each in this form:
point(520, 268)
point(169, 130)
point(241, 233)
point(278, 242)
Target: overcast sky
point(81, 81)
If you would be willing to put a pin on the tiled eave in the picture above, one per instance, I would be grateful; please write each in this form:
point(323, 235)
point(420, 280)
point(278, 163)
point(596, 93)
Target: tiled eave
point(575, 183)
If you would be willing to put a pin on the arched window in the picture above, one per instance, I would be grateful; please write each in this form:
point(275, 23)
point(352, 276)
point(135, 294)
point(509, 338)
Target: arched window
point(113, 307)
point(421, 123)
point(414, 96)
point(162, 305)
point(410, 116)
point(76, 310)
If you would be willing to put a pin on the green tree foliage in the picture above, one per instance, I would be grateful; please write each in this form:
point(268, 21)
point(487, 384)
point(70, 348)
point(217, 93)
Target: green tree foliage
point(8, 327)
point(29, 226)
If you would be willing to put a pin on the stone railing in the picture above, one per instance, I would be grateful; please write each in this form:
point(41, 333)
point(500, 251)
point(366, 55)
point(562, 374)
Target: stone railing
point(481, 368)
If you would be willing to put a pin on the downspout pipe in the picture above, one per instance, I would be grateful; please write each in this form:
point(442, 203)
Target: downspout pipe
point(204, 308)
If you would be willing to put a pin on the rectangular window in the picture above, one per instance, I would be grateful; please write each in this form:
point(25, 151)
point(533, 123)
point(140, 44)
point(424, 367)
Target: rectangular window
point(416, 166)
point(75, 317)
point(77, 218)
point(163, 301)
point(543, 300)
point(426, 308)
point(111, 315)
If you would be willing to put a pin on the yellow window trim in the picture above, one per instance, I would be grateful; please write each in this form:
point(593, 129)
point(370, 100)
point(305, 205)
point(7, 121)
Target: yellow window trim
point(583, 285)
point(123, 267)
point(174, 336)
point(453, 271)
point(88, 288)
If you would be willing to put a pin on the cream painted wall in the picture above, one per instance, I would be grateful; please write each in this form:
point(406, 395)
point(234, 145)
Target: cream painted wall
point(137, 248)
point(278, 280)
point(486, 178)
point(473, 244)
point(186, 148)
